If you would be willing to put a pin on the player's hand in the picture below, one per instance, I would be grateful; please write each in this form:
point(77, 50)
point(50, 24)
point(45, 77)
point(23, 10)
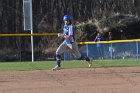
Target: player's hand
point(60, 35)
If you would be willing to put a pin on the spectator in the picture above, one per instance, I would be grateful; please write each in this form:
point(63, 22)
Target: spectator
point(99, 46)
point(109, 36)
point(111, 49)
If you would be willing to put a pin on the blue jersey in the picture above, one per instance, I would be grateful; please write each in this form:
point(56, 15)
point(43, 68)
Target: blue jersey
point(98, 39)
point(69, 30)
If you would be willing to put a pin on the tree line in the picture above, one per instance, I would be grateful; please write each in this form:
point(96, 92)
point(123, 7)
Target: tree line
point(47, 17)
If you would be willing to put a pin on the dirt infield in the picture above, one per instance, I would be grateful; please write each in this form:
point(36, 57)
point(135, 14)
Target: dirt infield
point(82, 80)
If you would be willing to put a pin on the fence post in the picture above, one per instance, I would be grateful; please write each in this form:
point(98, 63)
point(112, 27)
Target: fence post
point(87, 49)
point(137, 49)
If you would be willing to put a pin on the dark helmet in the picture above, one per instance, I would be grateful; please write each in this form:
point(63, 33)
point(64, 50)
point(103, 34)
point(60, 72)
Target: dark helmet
point(67, 18)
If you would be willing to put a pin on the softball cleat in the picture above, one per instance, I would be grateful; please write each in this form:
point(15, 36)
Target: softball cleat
point(56, 68)
point(90, 63)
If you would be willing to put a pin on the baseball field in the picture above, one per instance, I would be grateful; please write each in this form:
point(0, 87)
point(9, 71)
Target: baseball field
point(106, 76)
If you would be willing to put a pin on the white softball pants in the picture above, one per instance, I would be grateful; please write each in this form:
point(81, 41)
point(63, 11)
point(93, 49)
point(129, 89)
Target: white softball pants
point(62, 48)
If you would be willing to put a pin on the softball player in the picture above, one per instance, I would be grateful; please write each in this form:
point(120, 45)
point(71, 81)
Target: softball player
point(70, 42)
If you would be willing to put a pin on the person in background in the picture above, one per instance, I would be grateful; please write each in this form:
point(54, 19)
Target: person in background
point(109, 36)
point(111, 49)
point(100, 47)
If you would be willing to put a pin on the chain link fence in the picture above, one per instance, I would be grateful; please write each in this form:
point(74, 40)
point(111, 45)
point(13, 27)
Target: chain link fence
point(106, 50)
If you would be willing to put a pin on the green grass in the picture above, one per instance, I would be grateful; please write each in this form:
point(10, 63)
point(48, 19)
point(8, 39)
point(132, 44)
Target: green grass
point(45, 65)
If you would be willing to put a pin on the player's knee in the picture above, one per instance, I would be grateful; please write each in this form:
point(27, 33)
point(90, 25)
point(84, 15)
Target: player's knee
point(56, 53)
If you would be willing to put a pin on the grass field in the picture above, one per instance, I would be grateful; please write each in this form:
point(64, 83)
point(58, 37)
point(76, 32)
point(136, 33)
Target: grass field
point(46, 65)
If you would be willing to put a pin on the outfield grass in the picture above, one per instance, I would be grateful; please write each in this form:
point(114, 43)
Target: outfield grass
point(46, 65)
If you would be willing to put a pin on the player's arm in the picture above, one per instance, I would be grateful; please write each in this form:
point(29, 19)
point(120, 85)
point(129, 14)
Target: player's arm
point(64, 36)
point(67, 36)
point(95, 40)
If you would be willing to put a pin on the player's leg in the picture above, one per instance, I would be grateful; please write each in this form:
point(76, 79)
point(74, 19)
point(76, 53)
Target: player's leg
point(59, 51)
point(78, 55)
point(75, 51)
